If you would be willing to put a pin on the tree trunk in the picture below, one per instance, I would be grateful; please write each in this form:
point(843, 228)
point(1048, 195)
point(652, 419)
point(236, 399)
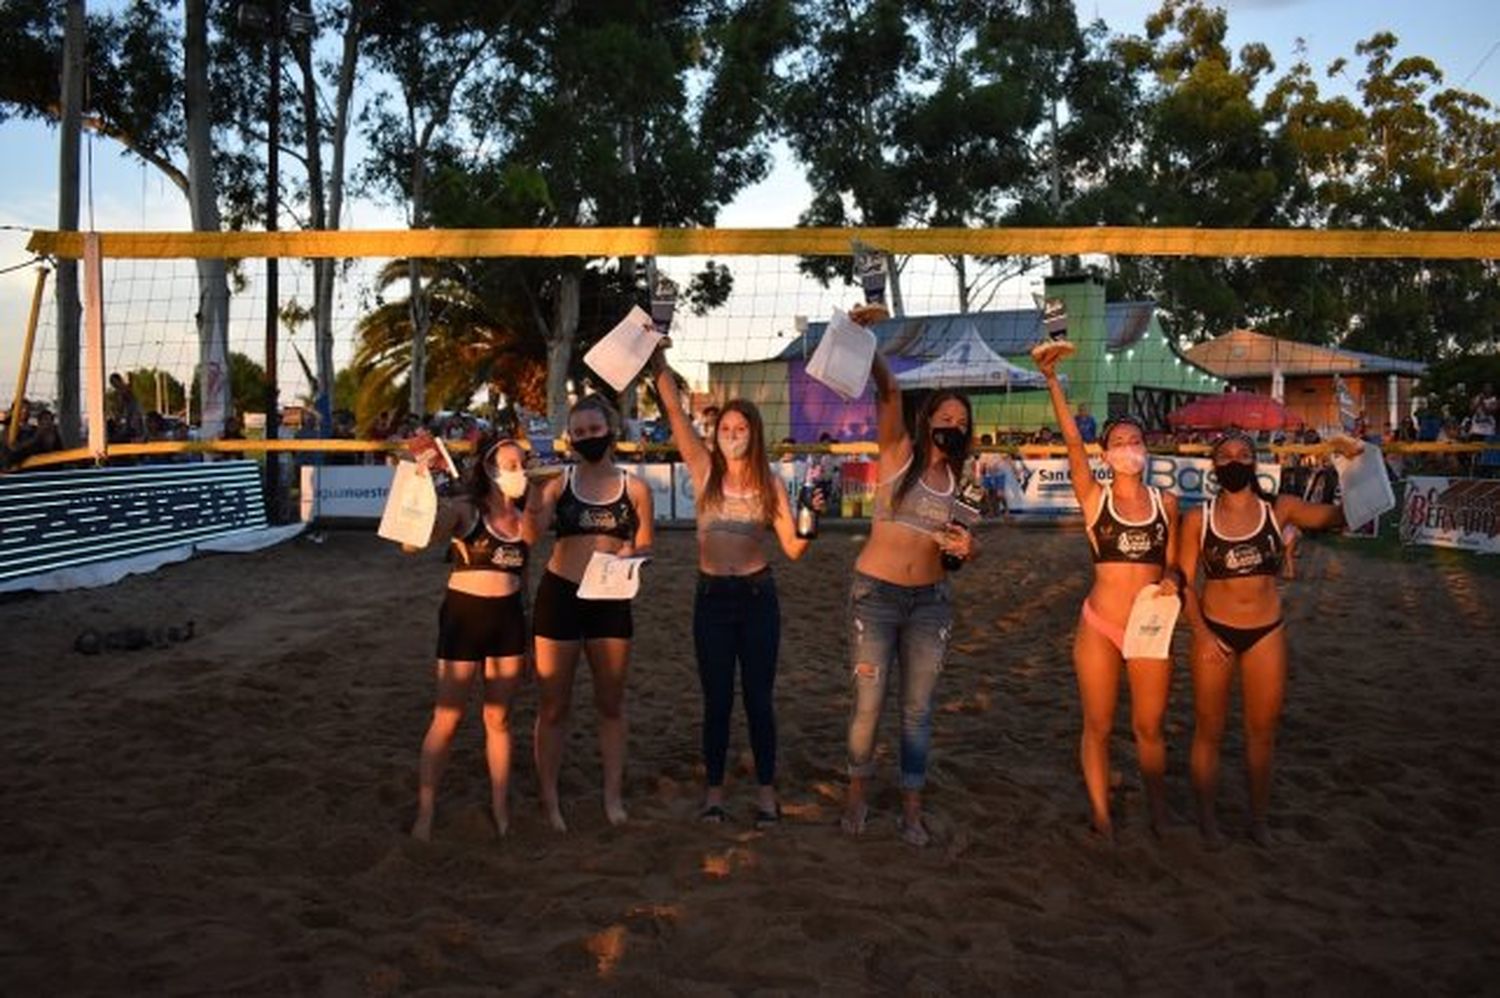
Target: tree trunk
point(961, 269)
point(318, 216)
point(893, 285)
point(69, 400)
point(563, 331)
point(203, 205)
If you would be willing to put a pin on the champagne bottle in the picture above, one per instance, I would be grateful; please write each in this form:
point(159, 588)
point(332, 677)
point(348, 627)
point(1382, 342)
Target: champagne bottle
point(968, 507)
point(807, 516)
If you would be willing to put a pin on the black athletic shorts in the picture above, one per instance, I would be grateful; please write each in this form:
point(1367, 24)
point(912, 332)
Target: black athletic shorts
point(473, 628)
point(562, 616)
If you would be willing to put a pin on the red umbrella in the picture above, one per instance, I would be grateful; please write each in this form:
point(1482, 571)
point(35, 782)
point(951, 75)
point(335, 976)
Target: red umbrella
point(1244, 410)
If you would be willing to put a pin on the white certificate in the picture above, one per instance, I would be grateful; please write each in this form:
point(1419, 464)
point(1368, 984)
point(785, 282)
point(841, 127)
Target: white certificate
point(610, 576)
point(1365, 485)
point(1148, 633)
point(624, 350)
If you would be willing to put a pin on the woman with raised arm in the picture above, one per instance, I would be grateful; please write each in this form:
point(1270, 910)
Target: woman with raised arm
point(900, 604)
point(1236, 537)
point(482, 623)
point(736, 615)
point(1132, 529)
point(592, 506)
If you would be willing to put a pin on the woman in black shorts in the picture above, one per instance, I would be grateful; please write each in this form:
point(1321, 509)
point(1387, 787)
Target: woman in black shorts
point(592, 506)
point(482, 624)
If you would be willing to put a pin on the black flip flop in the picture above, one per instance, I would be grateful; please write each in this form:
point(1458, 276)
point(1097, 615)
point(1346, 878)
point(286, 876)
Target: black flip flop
point(713, 814)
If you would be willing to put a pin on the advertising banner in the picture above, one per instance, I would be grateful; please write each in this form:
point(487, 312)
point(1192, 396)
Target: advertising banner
point(1452, 513)
point(345, 491)
point(1046, 486)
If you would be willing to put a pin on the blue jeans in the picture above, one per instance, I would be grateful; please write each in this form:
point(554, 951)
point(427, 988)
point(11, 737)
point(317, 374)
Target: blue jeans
point(893, 625)
point(738, 618)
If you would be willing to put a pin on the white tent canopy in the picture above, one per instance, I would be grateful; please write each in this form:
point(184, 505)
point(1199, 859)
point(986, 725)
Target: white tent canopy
point(970, 363)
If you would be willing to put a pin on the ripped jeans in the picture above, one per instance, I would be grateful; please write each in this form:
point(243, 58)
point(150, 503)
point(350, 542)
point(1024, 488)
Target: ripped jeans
point(895, 626)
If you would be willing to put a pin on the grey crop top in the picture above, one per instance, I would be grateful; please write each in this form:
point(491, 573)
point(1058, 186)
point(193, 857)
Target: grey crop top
point(922, 508)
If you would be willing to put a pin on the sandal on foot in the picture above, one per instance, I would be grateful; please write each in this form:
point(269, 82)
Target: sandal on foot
point(767, 817)
point(713, 814)
point(914, 833)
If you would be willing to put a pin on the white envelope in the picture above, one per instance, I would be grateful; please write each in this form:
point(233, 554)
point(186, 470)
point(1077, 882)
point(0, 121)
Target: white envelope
point(1366, 486)
point(411, 507)
point(624, 350)
point(1148, 632)
point(842, 359)
point(610, 576)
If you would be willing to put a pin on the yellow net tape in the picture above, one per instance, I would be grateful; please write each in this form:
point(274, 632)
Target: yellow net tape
point(1344, 243)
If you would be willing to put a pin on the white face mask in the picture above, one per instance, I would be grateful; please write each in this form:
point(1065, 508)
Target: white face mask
point(736, 448)
point(512, 483)
point(1129, 459)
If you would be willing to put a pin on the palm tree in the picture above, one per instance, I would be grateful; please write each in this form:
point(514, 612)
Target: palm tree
point(473, 342)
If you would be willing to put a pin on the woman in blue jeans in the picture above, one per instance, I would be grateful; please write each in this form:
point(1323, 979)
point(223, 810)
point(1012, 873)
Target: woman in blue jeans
point(900, 604)
point(736, 616)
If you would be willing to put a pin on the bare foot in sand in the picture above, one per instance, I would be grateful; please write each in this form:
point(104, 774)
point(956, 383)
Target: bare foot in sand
point(502, 821)
point(1213, 839)
point(553, 813)
point(421, 829)
point(614, 811)
point(1260, 834)
point(1102, 833)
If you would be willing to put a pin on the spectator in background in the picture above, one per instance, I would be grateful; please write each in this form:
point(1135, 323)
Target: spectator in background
point(1482, 419)
point(707, 427)
point(132, 419)
point(1087, 428)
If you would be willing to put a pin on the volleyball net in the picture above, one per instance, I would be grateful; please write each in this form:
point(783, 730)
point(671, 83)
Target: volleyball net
point(510, 314)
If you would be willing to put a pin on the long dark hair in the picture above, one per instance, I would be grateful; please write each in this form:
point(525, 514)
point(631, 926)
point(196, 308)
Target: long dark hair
point(1231, 435)
point(921, 444)
point(760, 462)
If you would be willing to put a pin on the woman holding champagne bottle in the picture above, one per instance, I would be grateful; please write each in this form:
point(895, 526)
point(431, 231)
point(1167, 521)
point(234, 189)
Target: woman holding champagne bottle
point(736, 615)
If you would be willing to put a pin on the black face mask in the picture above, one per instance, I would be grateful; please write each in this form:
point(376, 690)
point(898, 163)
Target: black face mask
point(1234, 476)
point(593, 449)
point(952, 441)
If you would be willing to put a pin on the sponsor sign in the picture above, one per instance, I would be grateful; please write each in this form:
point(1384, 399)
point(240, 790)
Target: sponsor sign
point(1452, 513)
point(1046, 485)
point(345, 491)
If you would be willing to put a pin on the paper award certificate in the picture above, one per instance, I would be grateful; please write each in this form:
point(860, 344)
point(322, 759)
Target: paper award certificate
point(610, 576)
point(1148, 633)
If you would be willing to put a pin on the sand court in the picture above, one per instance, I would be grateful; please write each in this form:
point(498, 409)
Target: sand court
point(228, 813)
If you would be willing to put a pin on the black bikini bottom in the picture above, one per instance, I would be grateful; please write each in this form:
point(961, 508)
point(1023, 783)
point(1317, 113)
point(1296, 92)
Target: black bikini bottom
point(1241, 639)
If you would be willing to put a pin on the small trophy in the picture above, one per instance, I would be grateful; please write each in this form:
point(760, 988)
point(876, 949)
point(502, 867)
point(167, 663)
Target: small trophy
point(869, 267)
point(1054, 342)
point(663, 303)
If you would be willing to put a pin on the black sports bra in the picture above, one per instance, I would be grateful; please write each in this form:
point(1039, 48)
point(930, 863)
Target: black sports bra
point(1116, 539)
point(1257, 553)
point(577, 517)
point(483, 550)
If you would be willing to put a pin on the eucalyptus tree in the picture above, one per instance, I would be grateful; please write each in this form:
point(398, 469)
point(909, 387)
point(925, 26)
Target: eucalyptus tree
point(619, 115)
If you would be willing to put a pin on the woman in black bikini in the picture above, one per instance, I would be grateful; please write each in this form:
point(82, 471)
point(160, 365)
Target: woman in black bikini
point(742, 506)
point(1236, 618)
point(482, 624)
point(593, 506)
point(1132, 530)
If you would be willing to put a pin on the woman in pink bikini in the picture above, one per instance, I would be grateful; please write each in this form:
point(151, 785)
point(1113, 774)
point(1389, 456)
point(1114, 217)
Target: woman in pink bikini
point(1132, 529)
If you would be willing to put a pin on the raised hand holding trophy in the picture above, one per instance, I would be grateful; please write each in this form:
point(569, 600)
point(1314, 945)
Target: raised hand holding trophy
point(1054, 343)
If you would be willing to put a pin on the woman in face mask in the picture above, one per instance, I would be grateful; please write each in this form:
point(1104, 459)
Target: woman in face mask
point(482, 624)
point(1132, 529)
point(592, 506)
point(1236, 537)
point(901, 610)
point(736, 616)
